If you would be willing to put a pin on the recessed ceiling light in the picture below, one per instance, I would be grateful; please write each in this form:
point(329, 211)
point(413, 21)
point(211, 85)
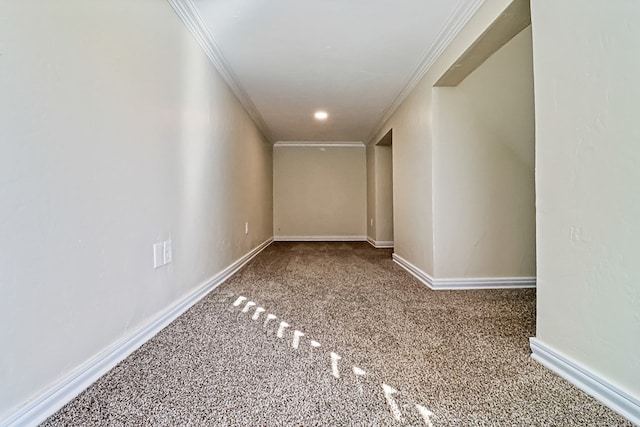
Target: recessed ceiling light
point(321, 115)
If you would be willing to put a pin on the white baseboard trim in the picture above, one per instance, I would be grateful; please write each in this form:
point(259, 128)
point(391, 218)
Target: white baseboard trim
point(380, 244)
point(347, 238)
point(413, 270)
point(587, 381)
point(485, 283)
point(465, 283)
point(55, 397)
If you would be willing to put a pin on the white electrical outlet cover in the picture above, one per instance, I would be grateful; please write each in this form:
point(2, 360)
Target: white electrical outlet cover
point(167, 252)
point(158, 255)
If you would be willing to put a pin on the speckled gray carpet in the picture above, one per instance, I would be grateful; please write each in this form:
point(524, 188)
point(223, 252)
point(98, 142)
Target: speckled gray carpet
point(391, 352)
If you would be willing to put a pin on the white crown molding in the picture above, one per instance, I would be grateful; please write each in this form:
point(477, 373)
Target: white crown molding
point(62, 392)
point(461, 15)
point(187, 12)
point(465, 283)
point(345, 238)
point(586, 380)
point(319, 144)
point(380, 244)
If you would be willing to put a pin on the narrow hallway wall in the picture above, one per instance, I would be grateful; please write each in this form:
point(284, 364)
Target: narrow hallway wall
point(116, 133)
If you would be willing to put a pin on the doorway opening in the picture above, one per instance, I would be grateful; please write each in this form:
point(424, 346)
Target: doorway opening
point(384, 190)
point(380, 192)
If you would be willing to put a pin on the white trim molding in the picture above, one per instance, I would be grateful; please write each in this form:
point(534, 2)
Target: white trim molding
point(464, 11)
point(357, 144)
point(485, 283)
point(465, 283)
point(54, 398)
point(588, 381)
point(346, 238)
point(413, 270)
point(379, 244)
point(188, 14)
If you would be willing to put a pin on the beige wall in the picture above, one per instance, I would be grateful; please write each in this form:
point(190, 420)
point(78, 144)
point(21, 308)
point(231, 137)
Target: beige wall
point(384, 194)
point(412, 149)
point(115, 132)
point(483, 169)
point(587, 174)
point(371, 192)
point(319, 192)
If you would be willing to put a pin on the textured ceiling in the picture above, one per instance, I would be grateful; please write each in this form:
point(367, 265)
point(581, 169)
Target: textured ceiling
point(355, 59)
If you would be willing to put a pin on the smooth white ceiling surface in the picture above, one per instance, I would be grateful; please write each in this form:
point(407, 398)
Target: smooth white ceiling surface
point(352, 58)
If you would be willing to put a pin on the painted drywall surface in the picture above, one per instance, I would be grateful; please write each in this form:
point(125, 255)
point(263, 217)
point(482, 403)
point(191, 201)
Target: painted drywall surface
point(319, 191)
point(587, 173)
point(411, 167)
point(412, 155)
point(483, 150)
point(371, 192)
point(115, 132)
point(384, 193)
